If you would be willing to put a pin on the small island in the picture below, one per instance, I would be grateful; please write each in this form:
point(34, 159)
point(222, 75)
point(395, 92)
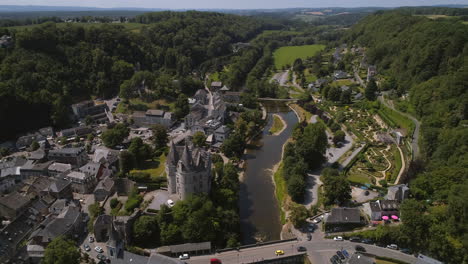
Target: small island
point(278, 125)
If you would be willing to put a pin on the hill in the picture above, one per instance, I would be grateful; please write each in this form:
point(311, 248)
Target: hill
point(428, 60)
point(53, 65)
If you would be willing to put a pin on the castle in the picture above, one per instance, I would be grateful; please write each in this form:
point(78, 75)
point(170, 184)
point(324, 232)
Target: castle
point(188, 170)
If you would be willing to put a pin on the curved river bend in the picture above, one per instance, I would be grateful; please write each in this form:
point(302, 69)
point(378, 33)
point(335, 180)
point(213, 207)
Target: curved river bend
point(259, 212)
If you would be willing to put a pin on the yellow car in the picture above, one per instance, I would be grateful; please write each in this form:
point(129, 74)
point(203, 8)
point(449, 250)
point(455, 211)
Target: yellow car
point(279, 252)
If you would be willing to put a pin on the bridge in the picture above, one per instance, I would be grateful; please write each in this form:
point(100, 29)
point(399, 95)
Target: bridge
point(318, 251)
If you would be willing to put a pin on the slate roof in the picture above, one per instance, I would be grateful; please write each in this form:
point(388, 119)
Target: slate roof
point(153, 112)
point(223, 130)
point(105, 184)
point(389, 205)
point(60, 167)
point(60, 225)
point(14, 201)
point(344, 215)
point(58, 185)
point(91, 168)
point(73, 151)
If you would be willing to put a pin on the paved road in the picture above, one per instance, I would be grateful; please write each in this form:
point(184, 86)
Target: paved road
point(318, 252)
point(417, 125)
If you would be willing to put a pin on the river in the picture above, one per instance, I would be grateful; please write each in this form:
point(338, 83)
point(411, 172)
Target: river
point(259, 212)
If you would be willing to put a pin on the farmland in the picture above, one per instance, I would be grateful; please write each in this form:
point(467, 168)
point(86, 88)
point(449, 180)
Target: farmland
point(287, 55)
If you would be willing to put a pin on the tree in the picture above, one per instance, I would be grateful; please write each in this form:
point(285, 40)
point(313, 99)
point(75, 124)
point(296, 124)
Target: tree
point(234, 145)
point(139, 150)
point(371, 90)
point(61, 250)
point(115, 136)
point(146, 231)
point(160, 137)
point(296, 187)
point(114, 202)
point(337, 188)
point(339, 137)
point(345, 97)
point(126, 162)
point(34, 146)
point(312, 145)
point(298, 215)
point(95, 210)
point(88, 120)
point(181, 106)
point(199, 139)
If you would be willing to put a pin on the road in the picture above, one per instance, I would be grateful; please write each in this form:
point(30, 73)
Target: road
point(318, 252)
point(417, 126)
point(281, 77)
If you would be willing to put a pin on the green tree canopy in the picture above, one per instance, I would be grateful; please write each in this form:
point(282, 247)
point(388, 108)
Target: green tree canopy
point(60, 251)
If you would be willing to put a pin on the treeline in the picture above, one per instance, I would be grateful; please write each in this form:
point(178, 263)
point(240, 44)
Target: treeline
point(51, 67)
point(429, 60)
point(305, 153)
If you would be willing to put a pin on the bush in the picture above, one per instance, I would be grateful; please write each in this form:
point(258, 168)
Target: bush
point(383, 183)
point(114, 202)
point(139, 176)
point(133, 202)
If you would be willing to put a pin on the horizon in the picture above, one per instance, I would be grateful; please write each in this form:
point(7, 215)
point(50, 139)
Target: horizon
point(213, 4)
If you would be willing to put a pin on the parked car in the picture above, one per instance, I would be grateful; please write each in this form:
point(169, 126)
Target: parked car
point(355, 239)
point(87, 247)
point(184, 256)
point(309, 237)
point(215, 261)
point(333, 261)
point(367, 241)
point(340, 254)
point(170, 203)
point(360, 248)
point(310, 228)
point(98, 249)
point(279, 252)
point(317, 220)
point(345, 253)
point(91, 239)
point(301, 249)
point(101, 256)
point(392, 246)
point(336, 258)
point(338, 238)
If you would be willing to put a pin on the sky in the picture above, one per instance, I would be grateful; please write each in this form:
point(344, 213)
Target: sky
point(230, 4)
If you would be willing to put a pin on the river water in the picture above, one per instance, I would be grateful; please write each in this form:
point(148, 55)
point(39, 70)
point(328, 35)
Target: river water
point(259, 212)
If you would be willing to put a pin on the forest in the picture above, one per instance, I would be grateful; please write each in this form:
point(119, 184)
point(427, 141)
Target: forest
point(50, 67)
point(428, 60)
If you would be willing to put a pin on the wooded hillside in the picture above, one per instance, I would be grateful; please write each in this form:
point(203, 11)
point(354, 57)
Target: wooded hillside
point(429, 59)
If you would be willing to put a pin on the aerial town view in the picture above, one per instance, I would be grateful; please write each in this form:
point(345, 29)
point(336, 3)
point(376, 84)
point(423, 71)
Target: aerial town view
point(234, 132)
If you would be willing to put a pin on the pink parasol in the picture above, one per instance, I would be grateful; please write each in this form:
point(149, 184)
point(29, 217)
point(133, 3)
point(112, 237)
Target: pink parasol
point(385, 217)
point(394, 217)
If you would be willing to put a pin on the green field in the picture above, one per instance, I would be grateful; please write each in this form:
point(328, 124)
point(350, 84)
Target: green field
point(154, 168)
point(134, 27)
point(287, 55)
point(395, 119)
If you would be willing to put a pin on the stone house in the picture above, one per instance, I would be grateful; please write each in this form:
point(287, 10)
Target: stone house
point(13, 205)
point(81, 182)
point(104, 189)
point(74, 156)
point(188, 170)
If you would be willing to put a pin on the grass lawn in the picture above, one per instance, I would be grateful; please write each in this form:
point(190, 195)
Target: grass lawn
point(280, 191)
point(395, 119)
point(303, 114)
point(310, 77)
point(339, 83)
point(154, 168)
point(136, 104)
point(358, 178)
point(397, 164)
point(287, 55)
point(133, 27)
point(278, 124)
